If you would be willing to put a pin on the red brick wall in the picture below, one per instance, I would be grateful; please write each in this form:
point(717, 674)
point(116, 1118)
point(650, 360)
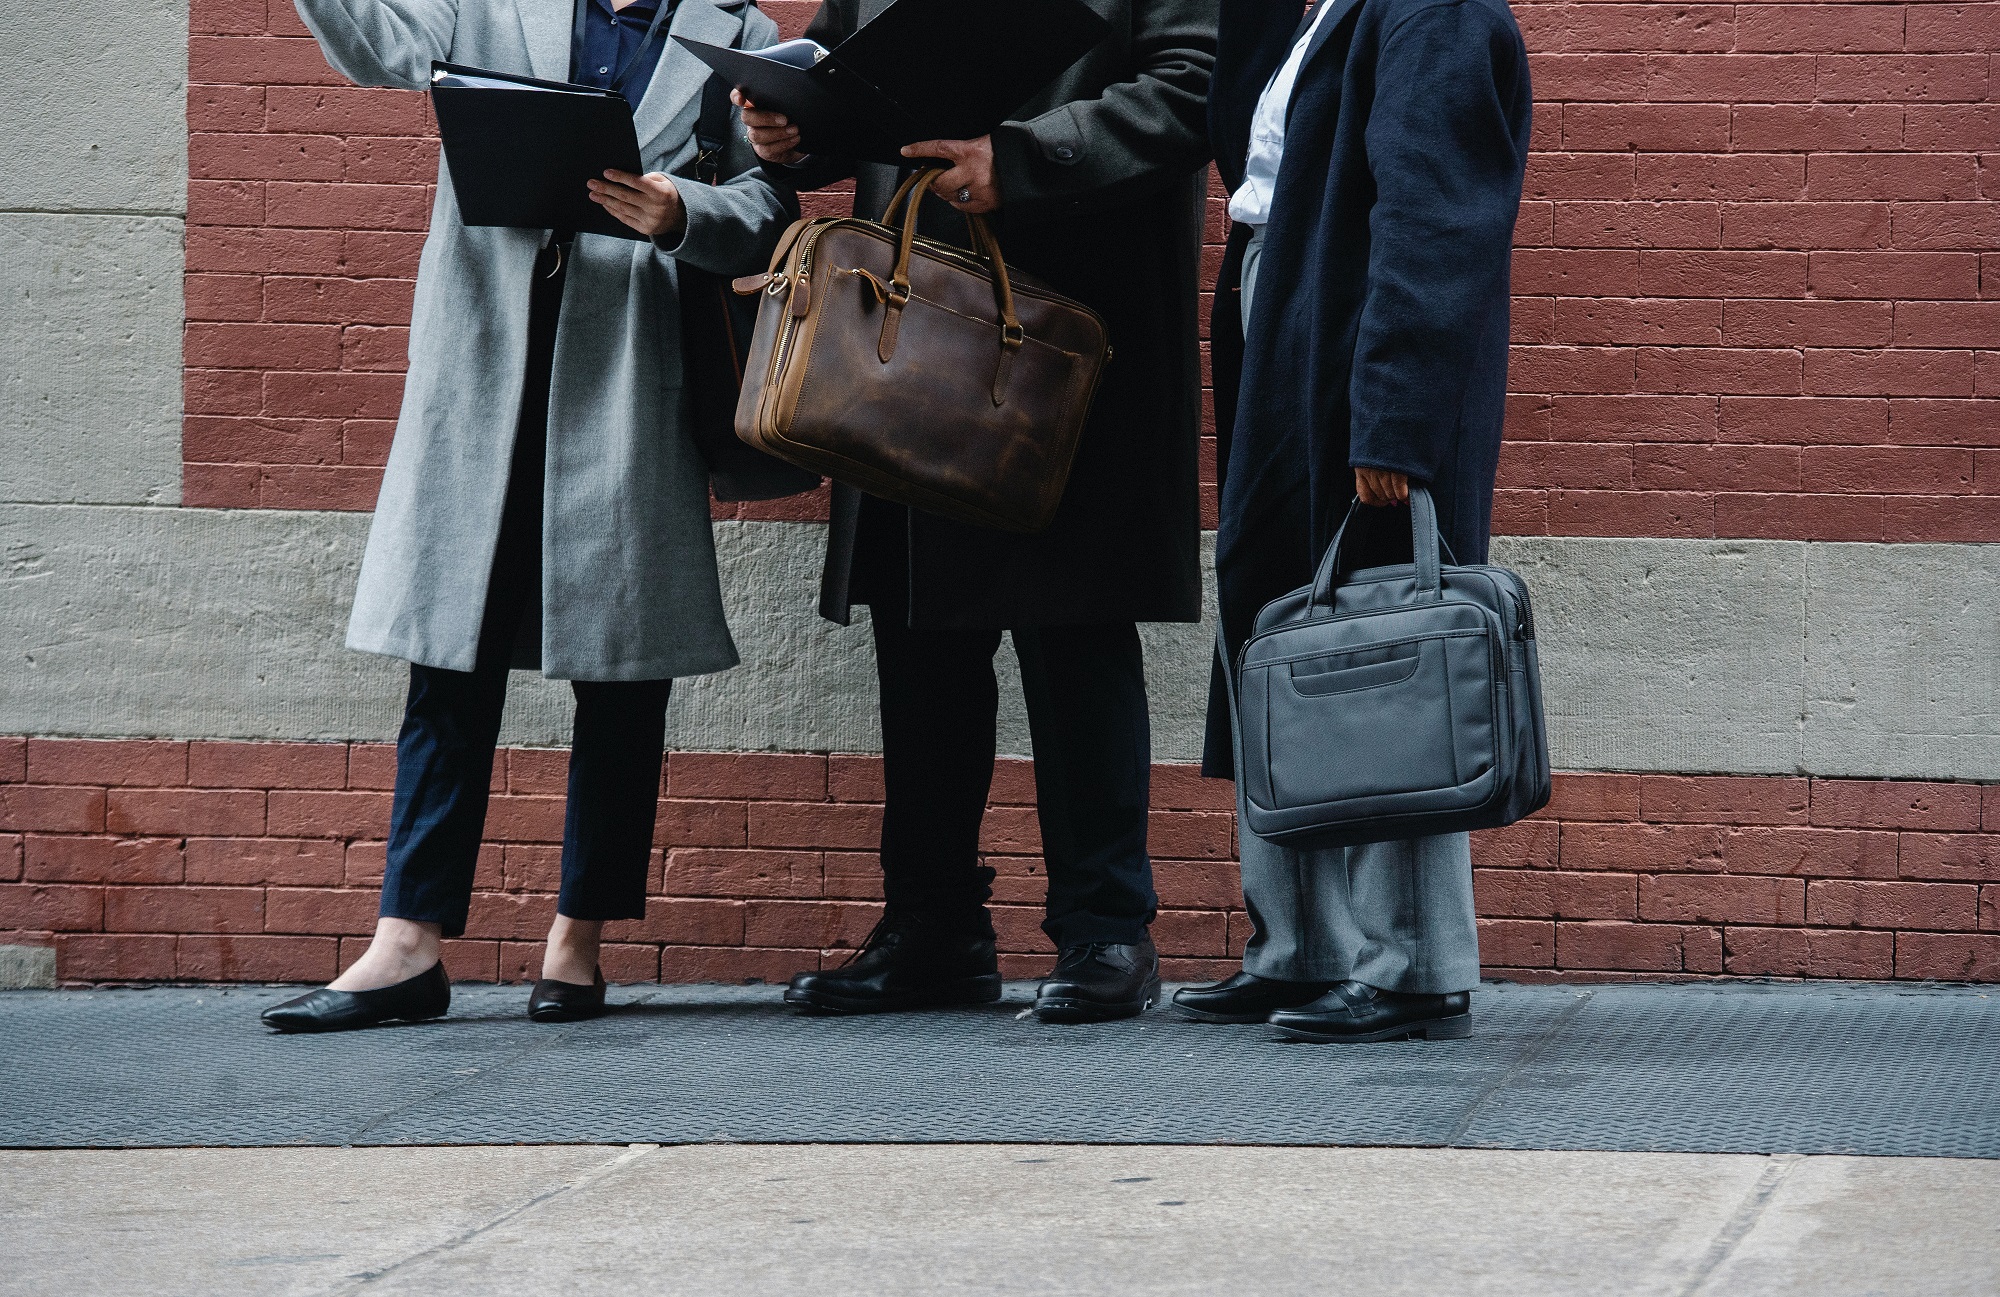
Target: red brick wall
point(1756, 273)
point(1758, 295)
point(260, 861)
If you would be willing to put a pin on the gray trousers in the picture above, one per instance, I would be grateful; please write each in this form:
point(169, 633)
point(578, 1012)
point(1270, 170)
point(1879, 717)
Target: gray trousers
point(1396, 915)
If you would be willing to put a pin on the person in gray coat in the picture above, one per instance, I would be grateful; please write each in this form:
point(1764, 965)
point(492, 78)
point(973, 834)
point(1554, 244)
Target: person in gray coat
point(544, 504)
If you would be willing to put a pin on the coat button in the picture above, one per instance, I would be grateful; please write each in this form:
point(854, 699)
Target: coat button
point(1065, 153)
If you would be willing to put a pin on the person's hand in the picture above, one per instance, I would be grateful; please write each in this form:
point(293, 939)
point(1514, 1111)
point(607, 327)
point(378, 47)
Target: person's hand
point(971, 172)
point(649, 204)
point(1380, 487)
point(771, 134)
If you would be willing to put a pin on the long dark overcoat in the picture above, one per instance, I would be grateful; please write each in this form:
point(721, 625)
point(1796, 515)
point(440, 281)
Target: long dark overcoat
point(1102, 185)
point(1378, 329)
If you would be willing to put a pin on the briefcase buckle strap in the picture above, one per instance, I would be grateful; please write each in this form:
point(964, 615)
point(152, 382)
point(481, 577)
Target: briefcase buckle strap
point(908, 199)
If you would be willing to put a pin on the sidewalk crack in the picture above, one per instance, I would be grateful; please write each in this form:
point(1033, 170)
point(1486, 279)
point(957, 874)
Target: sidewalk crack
point(1522, 1061)
point(632, 1153)
point(1740, 1221)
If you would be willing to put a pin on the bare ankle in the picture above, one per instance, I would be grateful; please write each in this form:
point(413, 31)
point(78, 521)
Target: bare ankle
point(400, 949)
point(572, 952)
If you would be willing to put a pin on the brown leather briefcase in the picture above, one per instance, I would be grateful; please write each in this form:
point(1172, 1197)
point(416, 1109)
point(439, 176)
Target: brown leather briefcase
point(917, 371)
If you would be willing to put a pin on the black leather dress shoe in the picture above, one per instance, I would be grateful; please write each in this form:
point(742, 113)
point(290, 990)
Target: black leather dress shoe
point(427, 995)
point(1100, 981)
point(910, 965)
point(553, 1001)
point(1245, 997)
point(1355, 1013)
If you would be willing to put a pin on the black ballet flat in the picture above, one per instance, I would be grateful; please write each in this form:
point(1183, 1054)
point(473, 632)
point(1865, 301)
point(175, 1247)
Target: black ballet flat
point(427, 995)
point(553, 1001)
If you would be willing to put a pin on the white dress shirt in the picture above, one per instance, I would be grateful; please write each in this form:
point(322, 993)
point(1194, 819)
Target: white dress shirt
point(1251, 203)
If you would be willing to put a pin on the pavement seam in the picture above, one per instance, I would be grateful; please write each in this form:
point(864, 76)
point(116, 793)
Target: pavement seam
point(1522, 1061)
point(1741, 1221)
point(630, 1154)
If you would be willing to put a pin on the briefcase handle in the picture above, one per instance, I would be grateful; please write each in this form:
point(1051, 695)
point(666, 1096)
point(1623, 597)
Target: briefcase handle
point(1423, 545)
point(909, 200)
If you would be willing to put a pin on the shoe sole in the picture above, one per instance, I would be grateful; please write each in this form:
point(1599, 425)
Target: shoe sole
point(984, 989)
point(1221, 1019)
point(565, 1015)
point(1069, 1011)
point(1456, 1027)
point(351, 1026)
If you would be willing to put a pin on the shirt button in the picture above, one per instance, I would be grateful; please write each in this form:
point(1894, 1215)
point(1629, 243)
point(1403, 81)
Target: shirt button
point(602, 71)
point(1065, 152)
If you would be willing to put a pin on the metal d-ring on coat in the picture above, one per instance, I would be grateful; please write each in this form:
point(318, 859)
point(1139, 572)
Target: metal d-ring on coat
point(629, 584)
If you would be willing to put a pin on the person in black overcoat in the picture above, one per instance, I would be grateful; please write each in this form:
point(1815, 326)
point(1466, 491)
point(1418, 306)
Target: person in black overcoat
point(1374, 150)
point(1097, 190)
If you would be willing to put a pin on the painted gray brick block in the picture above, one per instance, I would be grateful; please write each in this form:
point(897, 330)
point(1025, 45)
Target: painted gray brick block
point(90, 358)
point(1863, 661)
point(1904, 670)
point(229, 624)
point(27, 968)
point(95, 96)
point(1668, 654)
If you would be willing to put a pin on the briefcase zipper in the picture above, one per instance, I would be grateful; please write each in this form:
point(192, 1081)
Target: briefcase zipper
point(1527, 630)
point(801, 274)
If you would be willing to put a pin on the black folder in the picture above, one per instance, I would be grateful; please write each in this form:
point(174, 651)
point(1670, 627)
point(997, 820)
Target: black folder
point(919, 70)
point(519, 150)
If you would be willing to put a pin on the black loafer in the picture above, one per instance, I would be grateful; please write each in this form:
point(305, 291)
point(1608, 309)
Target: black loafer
point(427, 995)
point(553, 1001)
point(1245, 997)
point(1099, 982)
point(1356, 1013)
point(906, 964)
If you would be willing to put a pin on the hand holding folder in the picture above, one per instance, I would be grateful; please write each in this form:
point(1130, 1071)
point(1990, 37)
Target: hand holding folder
point(921, 70)
point(522, 152)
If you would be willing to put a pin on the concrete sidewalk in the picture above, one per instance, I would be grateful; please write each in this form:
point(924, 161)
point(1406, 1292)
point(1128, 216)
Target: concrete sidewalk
point(1707, 1132)
point(1014, 1219)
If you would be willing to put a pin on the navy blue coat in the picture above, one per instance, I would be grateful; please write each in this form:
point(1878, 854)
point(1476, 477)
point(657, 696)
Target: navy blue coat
point(1379, 332)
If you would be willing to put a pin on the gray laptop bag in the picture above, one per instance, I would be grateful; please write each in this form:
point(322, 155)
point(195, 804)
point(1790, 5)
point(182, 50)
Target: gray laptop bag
point(1393, 702)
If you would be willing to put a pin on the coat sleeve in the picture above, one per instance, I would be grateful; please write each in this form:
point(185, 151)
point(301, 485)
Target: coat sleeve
point(1134, 135)
point(733, 225)
point(382, 42)
point(1447, 163)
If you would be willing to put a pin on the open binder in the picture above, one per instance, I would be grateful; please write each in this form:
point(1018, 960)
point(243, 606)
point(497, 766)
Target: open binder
point(919, 70)
point(519, 150)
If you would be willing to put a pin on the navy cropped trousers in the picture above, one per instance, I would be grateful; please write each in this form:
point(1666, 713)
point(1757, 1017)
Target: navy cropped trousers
point(451, 722)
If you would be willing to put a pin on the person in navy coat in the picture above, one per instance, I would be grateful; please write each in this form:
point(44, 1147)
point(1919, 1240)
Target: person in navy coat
point(1374, 150)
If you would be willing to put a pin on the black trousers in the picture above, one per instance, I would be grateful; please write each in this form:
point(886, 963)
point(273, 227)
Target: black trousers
point(1086, 695)
point(451, 721)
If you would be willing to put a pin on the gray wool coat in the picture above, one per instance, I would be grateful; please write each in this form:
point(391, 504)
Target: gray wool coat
point(629, 585)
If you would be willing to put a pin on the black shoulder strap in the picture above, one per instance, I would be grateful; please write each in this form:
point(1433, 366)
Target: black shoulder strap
point(711, 129)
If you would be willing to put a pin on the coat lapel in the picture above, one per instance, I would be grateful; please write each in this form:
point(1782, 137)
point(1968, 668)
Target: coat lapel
point(546, 26)
point(1321, 35)
point(680, 75)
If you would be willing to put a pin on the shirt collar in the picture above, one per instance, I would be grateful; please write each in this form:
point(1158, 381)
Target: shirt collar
point(642, 10)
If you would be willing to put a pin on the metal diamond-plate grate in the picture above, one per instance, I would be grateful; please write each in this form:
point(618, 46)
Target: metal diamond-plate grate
point(1733, 1068)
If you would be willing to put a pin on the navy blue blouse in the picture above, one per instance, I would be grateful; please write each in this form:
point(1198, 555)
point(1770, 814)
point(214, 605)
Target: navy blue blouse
point(609, 39)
